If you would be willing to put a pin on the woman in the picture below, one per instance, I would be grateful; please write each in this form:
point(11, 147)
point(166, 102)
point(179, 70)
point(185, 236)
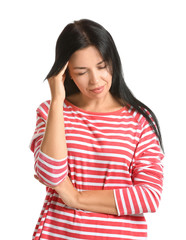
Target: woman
point(97, 148)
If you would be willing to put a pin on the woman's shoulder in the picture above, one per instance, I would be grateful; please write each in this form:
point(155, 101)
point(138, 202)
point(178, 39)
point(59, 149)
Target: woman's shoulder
point(43, 108)
point(135, 115)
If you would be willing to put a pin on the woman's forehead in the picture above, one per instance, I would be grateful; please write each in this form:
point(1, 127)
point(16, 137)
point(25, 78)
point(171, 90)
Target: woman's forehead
point(86, 56)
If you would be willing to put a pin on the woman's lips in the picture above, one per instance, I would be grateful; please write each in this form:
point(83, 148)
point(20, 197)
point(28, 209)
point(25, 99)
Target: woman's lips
point(98, 90)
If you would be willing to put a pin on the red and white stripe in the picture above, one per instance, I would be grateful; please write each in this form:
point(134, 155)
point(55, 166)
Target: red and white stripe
point(117, 151)
point(48, 169)
point(147, 176)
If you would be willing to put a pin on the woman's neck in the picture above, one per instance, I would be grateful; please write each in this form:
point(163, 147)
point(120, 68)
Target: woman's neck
point(108, 103)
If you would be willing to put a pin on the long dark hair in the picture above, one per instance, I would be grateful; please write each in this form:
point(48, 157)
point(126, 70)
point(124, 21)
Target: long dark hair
point(83, 33)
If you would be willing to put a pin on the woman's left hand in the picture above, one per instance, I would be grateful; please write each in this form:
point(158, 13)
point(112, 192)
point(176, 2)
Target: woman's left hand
point(67, 192)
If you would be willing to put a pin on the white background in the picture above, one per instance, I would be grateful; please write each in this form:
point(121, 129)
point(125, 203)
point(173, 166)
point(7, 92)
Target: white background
point(150, 37)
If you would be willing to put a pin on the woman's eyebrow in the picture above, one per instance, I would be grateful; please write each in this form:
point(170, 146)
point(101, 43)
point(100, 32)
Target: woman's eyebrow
point(86, 68)
point(79, 68)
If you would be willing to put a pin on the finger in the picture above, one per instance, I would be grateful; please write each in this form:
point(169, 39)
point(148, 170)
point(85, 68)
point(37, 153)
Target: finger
point(66, 65)
point(62, 71)
point(36, 176)
point(60, 75)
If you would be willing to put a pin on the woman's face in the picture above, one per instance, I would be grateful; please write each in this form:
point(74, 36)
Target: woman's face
point(89, 71)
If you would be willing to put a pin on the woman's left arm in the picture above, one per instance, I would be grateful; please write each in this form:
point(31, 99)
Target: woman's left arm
point(100, 201)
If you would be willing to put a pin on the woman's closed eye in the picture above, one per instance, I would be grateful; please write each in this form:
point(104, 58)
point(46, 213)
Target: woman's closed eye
point(80, 74)
point(100, 67)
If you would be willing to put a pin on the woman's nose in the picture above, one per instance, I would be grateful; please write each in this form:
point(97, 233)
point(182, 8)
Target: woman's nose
point(94, 78)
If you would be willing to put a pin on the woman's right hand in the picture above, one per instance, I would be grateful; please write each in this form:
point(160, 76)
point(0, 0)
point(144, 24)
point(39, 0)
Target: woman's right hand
point(56, 84)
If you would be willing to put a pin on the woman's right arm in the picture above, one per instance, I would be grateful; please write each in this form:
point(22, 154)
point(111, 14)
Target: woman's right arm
point(54, 141)
point(51, 157)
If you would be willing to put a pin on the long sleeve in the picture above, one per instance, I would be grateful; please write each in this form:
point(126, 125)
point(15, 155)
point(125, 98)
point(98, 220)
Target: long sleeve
point(146, 174)
point(51, 171)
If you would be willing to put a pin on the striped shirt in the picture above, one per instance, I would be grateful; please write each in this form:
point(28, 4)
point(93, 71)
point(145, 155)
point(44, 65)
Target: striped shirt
point(114, 150)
